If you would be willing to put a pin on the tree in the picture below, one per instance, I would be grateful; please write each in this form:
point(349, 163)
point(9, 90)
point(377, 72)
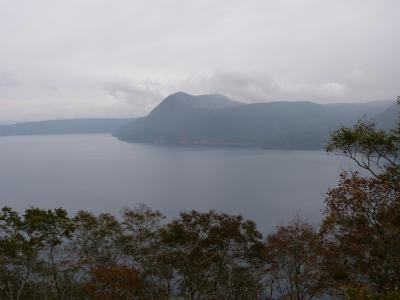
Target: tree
point(119, 283)
point(214, 256)
point(141, 245)
point(31, 252)
point(48, 230)
point(295, 262)
point(361, 230)
point(97, 240)
point(17, 255)
point(373, 150)
point(361, 226)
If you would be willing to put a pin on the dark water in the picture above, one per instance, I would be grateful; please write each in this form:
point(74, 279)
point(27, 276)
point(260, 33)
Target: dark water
point(99, 173)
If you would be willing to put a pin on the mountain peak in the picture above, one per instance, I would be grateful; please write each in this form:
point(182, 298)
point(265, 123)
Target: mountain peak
point(181, 102)
point(201, 97)
point(180, 94)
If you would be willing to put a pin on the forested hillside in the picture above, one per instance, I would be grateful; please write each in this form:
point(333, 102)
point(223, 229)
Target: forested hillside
point(215, 120)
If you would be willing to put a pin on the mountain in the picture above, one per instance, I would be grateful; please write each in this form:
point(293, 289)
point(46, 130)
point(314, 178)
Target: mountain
point(214, 119)
point(69, 126)
point(169, 117)
point(387, 120)
point(181, 102)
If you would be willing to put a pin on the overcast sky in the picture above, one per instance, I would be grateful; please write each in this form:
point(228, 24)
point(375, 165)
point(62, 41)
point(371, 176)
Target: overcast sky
point(92, 58)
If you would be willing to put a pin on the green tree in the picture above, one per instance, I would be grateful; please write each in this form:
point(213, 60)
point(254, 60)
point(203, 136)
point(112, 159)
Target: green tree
point(31, 252)
point(17, 255)
point(47, 231)
point(372, 149)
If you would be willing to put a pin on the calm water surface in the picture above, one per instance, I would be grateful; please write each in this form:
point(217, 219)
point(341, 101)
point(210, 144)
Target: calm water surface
point(99, 173)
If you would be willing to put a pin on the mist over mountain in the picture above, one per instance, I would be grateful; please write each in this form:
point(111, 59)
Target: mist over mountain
point(388, 118)
point(217, 120)
point(69, 126)
point(181, 102)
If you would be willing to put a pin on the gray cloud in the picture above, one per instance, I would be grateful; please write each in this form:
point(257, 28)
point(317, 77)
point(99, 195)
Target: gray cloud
point(8, 80)
point(116, 58)
point(137, 99)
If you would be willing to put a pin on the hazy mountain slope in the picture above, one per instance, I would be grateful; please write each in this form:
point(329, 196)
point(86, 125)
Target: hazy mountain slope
point(285, 125)
point(69, 126)
point(387, 119)
point(180, 102)
point(166, 119)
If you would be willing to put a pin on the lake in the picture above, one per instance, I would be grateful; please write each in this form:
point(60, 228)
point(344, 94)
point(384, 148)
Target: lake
point(100, 173)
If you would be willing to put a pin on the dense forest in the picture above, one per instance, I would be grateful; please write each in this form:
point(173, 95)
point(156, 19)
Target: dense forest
point(354, 253)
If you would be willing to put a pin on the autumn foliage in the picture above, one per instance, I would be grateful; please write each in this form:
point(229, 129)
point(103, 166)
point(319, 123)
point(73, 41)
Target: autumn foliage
point(354, 253)
point(118, 282)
